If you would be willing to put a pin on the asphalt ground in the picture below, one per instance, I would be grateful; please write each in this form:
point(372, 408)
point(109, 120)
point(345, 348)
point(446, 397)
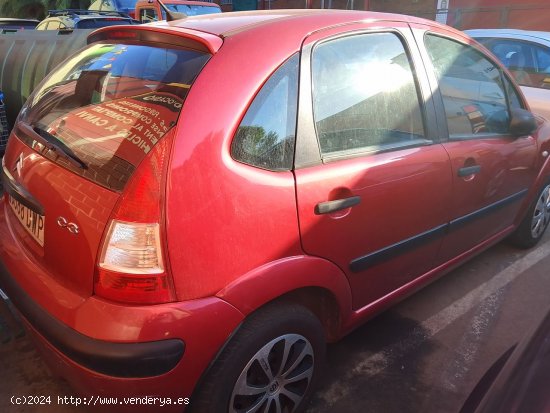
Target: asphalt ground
point(424, 355)
point(427, 353)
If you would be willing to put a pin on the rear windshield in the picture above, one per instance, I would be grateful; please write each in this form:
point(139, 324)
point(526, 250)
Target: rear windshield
point(18, 24)
point(95, 23)
point(107, 106)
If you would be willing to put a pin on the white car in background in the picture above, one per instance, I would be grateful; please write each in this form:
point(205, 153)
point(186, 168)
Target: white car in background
point(526, 54)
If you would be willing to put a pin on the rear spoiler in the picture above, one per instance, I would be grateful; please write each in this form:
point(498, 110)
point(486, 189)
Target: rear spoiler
point(177, 36)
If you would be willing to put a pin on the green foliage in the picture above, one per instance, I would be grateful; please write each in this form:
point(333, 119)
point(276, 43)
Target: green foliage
point(255, 141)
point(37, 9)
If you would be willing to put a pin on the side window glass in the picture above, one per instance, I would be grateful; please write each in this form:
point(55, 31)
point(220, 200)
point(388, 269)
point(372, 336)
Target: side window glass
point(542, 79)
point(365, 97)
point(543, 60)
point(513, 97)
point(265, 138)
point(471, 85)
point(528, 63)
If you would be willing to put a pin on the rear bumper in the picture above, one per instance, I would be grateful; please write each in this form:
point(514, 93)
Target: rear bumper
point(126, 352)
point(144, 359)
point(105, 349)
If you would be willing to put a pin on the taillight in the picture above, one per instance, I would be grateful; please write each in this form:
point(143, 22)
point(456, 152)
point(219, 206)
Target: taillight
point(132, 264)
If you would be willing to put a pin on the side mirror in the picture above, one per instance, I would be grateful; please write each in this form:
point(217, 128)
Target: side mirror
point(522, 123)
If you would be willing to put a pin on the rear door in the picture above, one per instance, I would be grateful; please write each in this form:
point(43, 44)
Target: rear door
point(491, 169)
point(373, 184)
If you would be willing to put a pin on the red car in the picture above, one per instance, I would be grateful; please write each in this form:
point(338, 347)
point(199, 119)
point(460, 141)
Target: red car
point(192, 209)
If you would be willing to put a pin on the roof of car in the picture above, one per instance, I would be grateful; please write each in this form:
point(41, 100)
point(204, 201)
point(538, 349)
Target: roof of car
point(212, 29)
point(14, 20)
point(78, 17)
point(508, 32)
point(71, 20)
point(227, 24)
point(102, 17)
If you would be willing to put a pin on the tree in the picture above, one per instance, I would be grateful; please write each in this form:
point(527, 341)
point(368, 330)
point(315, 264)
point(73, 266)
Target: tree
point(37, 9)
point(23, 9)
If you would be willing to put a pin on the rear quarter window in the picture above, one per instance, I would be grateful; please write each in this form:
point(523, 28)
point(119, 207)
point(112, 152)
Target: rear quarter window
point(266, 135)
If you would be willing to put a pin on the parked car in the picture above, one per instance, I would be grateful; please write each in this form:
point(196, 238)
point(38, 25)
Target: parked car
point(527, 55)
point(178, 224)
point(81, 19)
point(17, 24)
point(150, 10)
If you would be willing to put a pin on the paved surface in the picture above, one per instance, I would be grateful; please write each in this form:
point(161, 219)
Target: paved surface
point(427, 353)
point(424, 355)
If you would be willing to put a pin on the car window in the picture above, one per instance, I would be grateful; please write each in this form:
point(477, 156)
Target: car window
point(529, 63)
point(365, 96)
point(474, 95)
point(111, 104)
point(266, 135)
point(95, 23)
point(543, 59)
point(148, 15)
point(514, 100)
point(18, 24)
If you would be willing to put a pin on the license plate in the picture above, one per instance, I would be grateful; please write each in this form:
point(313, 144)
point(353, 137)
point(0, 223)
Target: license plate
point(31, 221)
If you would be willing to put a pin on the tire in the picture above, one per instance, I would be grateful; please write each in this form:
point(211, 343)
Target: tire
point(532, 228)
point(259, 347)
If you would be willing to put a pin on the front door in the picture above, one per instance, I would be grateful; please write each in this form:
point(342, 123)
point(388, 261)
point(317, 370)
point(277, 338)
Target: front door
point(491, 169)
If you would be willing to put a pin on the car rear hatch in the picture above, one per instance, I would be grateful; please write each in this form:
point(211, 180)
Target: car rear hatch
point(87, 132)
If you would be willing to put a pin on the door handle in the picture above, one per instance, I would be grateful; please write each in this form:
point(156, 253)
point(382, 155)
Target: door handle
point(336, 205)
point(469, 170)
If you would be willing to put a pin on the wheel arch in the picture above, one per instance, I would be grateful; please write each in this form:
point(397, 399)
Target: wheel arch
point(282, 305)
point(313, 282)
point(542, 179)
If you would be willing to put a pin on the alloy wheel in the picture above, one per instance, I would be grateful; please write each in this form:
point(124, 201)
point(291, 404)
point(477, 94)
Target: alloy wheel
point(541, 215)
point(276, 378)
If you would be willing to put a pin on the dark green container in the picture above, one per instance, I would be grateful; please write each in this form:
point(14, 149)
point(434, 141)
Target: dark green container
point(27, 56)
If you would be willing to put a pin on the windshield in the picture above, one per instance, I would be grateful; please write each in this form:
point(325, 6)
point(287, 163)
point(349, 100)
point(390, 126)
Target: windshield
point(95, 23)
point(109, 105)
point(192, 10)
